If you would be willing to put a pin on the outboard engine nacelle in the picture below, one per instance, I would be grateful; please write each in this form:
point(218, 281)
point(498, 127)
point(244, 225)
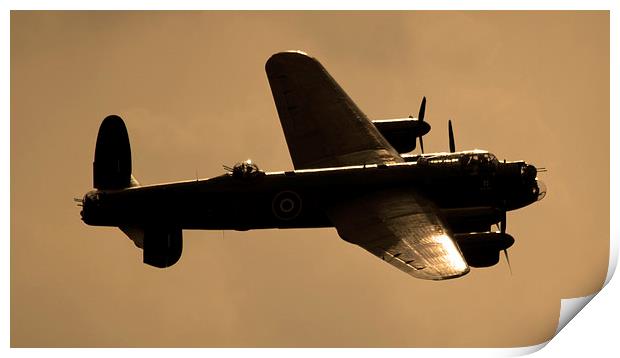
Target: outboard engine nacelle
point(481, 249)
point(402, 133)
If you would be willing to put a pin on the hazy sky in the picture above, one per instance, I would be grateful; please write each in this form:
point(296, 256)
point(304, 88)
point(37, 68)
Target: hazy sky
point(192, 89)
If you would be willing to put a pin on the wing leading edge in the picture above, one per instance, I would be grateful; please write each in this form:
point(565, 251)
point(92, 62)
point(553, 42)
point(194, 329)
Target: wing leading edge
point(403, 229)
point(322, 125)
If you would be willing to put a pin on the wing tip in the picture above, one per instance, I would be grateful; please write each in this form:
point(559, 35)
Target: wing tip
point(284, 56)
point(452, 276)
point(291, 53)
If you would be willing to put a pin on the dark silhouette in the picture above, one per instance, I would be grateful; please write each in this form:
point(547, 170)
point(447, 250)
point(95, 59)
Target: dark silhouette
point(429, 215)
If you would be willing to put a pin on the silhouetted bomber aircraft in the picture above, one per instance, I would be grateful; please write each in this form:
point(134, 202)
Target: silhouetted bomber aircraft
point(429, 215)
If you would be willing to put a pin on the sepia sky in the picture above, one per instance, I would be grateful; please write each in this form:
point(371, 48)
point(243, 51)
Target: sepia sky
point(193, 92)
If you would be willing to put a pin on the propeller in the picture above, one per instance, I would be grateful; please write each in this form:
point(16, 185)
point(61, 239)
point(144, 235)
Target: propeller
point(508, 260)
point(421, 119)
point(451, 137)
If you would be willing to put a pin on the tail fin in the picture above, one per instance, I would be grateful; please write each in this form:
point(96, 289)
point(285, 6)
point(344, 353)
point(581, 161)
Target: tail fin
point(112, 165)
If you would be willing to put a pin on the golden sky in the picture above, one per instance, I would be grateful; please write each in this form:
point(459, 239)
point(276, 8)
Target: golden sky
point(192, 90)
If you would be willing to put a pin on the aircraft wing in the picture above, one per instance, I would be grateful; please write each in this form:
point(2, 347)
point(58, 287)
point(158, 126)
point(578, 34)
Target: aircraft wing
point(322, 125)
point(401, 228)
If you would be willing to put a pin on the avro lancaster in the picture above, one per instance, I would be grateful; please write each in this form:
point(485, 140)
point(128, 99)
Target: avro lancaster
point(430, 215)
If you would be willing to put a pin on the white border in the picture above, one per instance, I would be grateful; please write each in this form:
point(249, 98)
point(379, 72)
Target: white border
point(597, 325)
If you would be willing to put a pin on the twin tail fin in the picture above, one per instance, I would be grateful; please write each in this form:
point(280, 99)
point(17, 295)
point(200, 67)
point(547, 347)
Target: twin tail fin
point(112, 165)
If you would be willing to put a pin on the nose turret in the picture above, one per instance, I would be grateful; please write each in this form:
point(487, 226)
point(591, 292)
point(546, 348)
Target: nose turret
point(537, 187)
point(542, 189)
point(519, 184)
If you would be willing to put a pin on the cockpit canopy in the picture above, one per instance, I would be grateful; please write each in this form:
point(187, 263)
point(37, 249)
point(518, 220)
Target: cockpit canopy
point(246, 169)
point(482, 158)
point(474, 158)
point(477, 162)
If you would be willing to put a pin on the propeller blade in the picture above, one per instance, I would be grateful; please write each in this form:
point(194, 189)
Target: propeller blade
point(422, 109)
point(508, 260)
point(421, 119)
point(451, 137)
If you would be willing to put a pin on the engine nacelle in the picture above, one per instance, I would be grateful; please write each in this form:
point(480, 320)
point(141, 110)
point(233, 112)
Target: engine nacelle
point(402, 133)
point(481, 249)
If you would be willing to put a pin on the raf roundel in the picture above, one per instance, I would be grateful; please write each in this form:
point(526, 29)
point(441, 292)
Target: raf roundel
point(286, 205)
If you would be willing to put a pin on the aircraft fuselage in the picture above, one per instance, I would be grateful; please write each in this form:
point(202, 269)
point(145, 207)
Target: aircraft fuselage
point(470, 188)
